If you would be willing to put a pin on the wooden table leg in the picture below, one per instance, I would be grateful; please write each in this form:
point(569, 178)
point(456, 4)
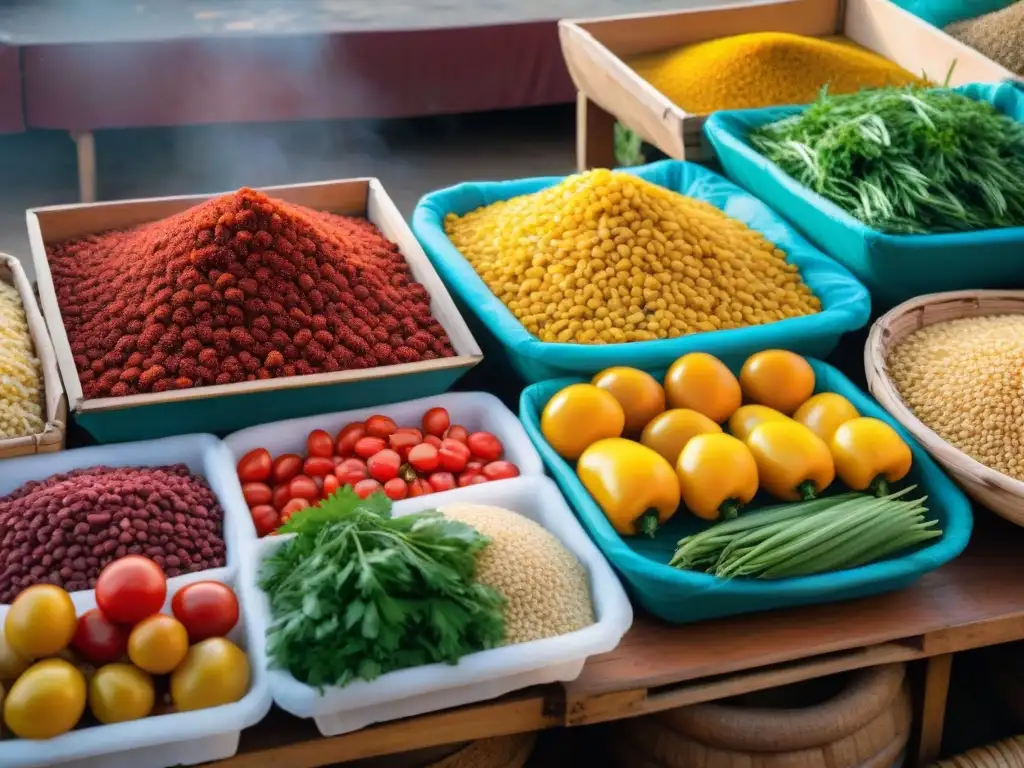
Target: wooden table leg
point(933, 708)
point(595, 135)
point(86, 148)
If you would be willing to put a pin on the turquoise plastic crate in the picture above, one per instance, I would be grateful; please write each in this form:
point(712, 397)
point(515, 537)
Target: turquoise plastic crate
point(893, 267)
point(846, 305)
point(686, 596)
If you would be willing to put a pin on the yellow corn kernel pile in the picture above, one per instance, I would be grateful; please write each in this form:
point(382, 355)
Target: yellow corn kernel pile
point(605, 257)
point(21, 391)
point(963, 379)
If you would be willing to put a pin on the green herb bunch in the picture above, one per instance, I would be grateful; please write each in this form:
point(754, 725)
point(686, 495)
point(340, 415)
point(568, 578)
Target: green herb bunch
point(358, 593)
point(906, 160)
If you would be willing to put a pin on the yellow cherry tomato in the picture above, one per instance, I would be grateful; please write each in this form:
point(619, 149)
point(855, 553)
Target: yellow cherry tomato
point(215, 672)
point(119, 693)
point(12, 663)
point(40, 622)
point(46, 701)
point(640, 395)
point(669, 432)
point(579, 415)
point(870, 454)
point(717, 475)
point(793, 463)
point(742, 423)
point(705, 384)
point(158, 644)
point(823, 413)
point(777, 378)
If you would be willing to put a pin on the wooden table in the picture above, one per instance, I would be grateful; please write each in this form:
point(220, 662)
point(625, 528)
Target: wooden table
point(976, 601)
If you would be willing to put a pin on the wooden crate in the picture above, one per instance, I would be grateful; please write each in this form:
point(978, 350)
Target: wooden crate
point(224, 408)
point(610, 90)
point(55, 404)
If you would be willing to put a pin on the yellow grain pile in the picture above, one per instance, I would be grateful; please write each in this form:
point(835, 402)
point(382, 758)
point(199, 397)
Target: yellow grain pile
point(764, 69)
point(605, 257)
point(998, 35)
point(963, 379)
point(21, 380)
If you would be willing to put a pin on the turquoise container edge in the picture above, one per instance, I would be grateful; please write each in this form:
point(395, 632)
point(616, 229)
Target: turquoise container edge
point(682, 597)
point(846, 303)
point(893, 267)
point(228, 413)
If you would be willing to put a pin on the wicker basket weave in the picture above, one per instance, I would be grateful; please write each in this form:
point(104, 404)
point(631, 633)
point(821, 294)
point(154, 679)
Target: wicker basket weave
point(1008, 753)
point(1002, 494)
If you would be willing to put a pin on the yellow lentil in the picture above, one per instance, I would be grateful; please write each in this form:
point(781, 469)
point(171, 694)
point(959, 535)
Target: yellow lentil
point(962, 378)
point(764, 69)
point(605, 257)
point(21, 391)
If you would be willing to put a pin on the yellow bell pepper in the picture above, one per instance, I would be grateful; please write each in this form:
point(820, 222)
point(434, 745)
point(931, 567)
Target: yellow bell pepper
point(743, 421)
point(669, 432)
point(823, 413)
point(717, 475)
point(635, 487)
point(793, 463)
point(868, 453)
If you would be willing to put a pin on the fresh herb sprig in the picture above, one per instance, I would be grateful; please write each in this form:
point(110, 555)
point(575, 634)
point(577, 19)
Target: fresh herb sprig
point(909, 160)
point(358, 593)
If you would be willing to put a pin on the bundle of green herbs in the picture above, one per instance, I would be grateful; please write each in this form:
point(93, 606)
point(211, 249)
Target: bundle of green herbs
point(358, 593)
point(906, 160)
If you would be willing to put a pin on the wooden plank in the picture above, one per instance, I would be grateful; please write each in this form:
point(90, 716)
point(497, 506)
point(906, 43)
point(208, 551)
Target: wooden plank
point(933, 709)
point(595, 136)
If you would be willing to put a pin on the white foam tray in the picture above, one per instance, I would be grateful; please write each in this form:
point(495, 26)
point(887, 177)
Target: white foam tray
point(181, 738)
point(476, 677)
point(475, 411)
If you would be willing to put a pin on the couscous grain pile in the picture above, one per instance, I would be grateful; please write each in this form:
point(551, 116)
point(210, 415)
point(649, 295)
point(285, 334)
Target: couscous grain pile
point(21, 379)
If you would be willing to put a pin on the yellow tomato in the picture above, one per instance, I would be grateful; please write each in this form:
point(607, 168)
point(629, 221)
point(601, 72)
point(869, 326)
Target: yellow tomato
point(12, 663)
point(579, 415)
point(41, 622)
point(158, 644)
point(120, 692)
point(215, 672)
point(703, 383)
point(640, 395)
point(746, 418)
point(669, 432)
point(824, 413)
point(777, 378)
point(46, 701)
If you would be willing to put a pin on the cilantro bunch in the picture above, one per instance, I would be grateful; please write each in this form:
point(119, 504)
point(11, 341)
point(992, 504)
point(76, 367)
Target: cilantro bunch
point(358, 593)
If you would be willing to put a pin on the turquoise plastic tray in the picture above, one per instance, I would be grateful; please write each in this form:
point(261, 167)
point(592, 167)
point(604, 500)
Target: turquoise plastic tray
point(893, 267)
point(846, 305)
point(685, 596)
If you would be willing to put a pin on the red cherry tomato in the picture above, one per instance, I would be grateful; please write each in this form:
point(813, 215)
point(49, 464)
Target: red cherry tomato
point(265, 518)
point(471, 478)
point(130, 589)
point(331, 484)
point(419, 487)
point(351, 471)
point(256, 494)
point(337, 459)
point(484, 445)
point(282, 495)
point(286, 466)
point(473, 466)
point(396, 489)
point(441, 481)
point(365, 487)
point(320, 443)
point(255, 466)
point(303, 487)
point(318, 466)
point(402, 442)
point(206, 608)
point(499, 470)
point(348, 437)
point(455, 432)
point(424, 458)
point(367, 446)
point(99, 640)
point(436, 421)
point(454, 455)
point(384, 465)
point(291, 508)
point(410, 431)
point(433, 440)
point(380, 426)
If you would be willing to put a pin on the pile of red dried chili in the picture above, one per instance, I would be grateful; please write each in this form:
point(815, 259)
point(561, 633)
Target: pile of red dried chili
point(238, 288)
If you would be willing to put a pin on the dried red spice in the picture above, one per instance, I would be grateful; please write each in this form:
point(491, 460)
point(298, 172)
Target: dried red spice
point(239, 287)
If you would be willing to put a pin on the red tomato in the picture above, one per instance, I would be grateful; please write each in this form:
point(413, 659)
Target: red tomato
point(365, 487)
point(130, 589)
point(367, 446)
point(471, 478)
point(331, 484)
point(99, 640)
point(303, 487)
point(499, 470)
point(436, 421)
point(419, 487)
point(257, 493)
point(396, 489)
point(484, 445)
point(320, 443)
point(265, 518)
point(348, 437)
point(318, 466)
point(442, 481)
point(351, 471)
point(291, 508)
point(286, 466)
point(380, 426)
point(282, 495)
point(410, 431)
point(206, 608)
point(454, 455)
point(433, 440)
point(424, 457)
point(455, 432)
point(384, 465)
point(402, 442)
point(254, 467)
point(337, 459)
point(473, 466)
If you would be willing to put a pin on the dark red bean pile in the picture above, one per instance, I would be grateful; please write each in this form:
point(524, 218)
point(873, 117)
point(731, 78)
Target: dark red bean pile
point(65, 529)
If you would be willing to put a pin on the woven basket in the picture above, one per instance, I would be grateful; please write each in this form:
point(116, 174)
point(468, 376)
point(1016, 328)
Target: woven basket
point(1008, 753)
point(498, 752)
point(1000, 493)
